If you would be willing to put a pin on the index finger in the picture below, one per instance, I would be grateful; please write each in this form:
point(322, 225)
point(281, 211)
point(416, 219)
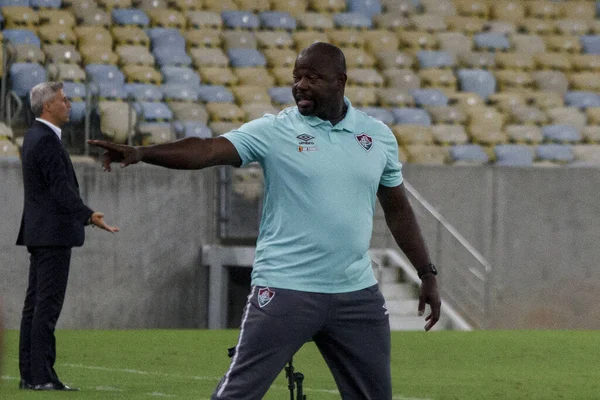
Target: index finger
point(104, 144)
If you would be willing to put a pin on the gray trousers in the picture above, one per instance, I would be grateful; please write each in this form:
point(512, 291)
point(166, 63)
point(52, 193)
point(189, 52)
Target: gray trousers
point(351, 330)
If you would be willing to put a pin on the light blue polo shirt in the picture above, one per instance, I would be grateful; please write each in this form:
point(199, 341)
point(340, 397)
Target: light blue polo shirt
point(319, 199)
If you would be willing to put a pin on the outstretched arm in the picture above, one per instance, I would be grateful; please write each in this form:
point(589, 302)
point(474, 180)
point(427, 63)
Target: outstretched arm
point(189, 153)
point(402, 222)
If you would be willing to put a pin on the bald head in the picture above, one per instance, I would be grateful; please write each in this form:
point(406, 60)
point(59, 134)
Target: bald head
point(325, 54)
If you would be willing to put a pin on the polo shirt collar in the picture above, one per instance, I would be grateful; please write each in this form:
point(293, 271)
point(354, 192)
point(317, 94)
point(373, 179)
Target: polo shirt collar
point(346, 124)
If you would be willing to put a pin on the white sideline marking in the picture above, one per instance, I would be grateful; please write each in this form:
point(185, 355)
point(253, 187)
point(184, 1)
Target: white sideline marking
point(158, 394)
point(108, 389)
point(9, 378)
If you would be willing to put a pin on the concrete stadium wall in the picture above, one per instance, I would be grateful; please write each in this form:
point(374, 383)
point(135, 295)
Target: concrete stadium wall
point(539, 227)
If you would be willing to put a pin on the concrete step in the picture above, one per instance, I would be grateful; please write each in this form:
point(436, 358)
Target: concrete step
point(405, 307)
point(394, 291)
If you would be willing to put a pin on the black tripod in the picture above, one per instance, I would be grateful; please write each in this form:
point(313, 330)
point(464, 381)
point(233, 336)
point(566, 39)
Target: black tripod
point(295, 379)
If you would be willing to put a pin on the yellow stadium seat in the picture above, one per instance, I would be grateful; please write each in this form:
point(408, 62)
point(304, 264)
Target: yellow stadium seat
point(96, 17)
point(552, 81)
point(544, 9)
point(581, 10)
point(535, 26)
point(393, 21)
point(238, 39)
point(589, 153)
point(513, 80)
point(567, 115)
point(8, 149)
point(467, 25)
point(225, 112)
point(155, 134)
point(524, 134)
point(220, 127)
point(115, 117)
point(255, 6)
point(137, 55)
point(472, 8)
point(204, 19)
point(303, 39)
point(80, 7)
point(401, 79)
point(272, 39)
point(110, 4)
point(586, 62)
point(486, 137)
point(553, 61)
point(591, 134)
point(571, 27)
point(283, 76)
point(66, 72)
point(141, 74)
point(404, 7)
point(544, 99)
point(185, 5)
point(465, 100)
point(56, 34)
point(246, 94)
point(563, 43)
point(507, 10)
point(391, 97)
point(477, 59)
point(93, 36)
point(593, 115)
point(587, 81)
point(346, 38)
point(449, 134)
point(358, 58)
point(314, 21)
point(280, 57)
point(447, 115)
point(293, 7)
point(507, 101)
point(455, 42)
point(189, 111)
point(442, 79)
point(428, 23)
point(98, 55)
point(257, 110)
point(502, 27)
point(439, 7)
point(217, 76)
point(219, 5)
point(29, 53)
point(257, 76)
point(380, 40)
point(364, 77)
point(58, 53)
point(427, 154)
point(417, 40)
point(394, 59)
point(206, 57)
point(19, 17)
point(130, 35)
point(485, 117)
point(166, 18)
point(361, 96)
point(527, 115)
point(150, 4)
point(531, 44)
point(515, 61)
point(327, 6)
point(50, 16)
point(407, 134)
point(204, 37)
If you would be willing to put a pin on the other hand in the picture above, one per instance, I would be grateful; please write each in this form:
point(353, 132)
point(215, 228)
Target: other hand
point(429, 295)
point(126, 155)
point(98, 220)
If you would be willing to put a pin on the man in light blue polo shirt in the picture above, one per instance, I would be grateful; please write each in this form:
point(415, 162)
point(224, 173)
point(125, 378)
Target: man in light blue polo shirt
point(324, 164)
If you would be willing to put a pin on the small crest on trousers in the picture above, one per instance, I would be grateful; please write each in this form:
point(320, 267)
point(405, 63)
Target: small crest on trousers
point(265, 295)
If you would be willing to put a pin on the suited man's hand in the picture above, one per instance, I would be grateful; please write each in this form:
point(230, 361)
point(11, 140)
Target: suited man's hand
point(98, 220)
point(126, 155)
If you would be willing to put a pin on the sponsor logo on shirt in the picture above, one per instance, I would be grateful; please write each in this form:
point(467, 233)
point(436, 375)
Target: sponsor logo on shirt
point(307, 148)
point(305, 143)
point(265, 295)
point(365, 141)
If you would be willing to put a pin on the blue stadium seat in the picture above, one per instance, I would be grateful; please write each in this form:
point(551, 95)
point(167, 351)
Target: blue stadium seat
point(491, 41)
point(281, 95)
point(179, 92)
point(555, 152)
point(192, 129)
point(21, 36)
point(153, 111)
point(435, 59)
point(77, 112)
point(130, 16)
point(366, 7)
point(74, 90)
point(513, 155)
point(166, 37)
point(173, 74)
point(468, 153)
point(582, 99)
point(413, 116)
point(277, 20)
point(477, 81)
point(24, 76)
point(590, 44)
point(240, 20)
point(352, 20)
point(246, 58)
point(561, 133)
point(112, 91)
point(171, 55)
point(45, 3)
point(429, 97)
point(143, 91)
point(214, 94)
point(8, 3)
point(382, 114)
point(101, 73)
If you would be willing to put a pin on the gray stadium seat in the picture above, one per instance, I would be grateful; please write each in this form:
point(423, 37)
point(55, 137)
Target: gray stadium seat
point(435, 59)
point(25, 76)
point(468, 153)
point(130, 16)
point(281, 95)
point(21, 36)
point(561, 133)
point(582, 99)
point(412, 116)
point(352, 20)
point(277, 20)
point(555, 152)
point(214, 94)
point(246, 58)
point(590, 44)
point(104, 73)
point(174, 74)
point(153, 111)
point(234, 19)
point(365, 7)
point(429, 97)
point(143, 91)
point(477, 81)
point(513, 155)
point(179, 92)
point(192, 129)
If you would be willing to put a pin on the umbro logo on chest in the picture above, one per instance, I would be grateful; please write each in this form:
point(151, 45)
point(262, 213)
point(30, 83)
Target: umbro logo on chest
point(306, 143)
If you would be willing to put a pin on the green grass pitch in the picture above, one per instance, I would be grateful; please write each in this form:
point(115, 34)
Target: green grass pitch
point(187, 364)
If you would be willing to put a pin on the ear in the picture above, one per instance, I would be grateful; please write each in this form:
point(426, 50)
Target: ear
point(343, 78)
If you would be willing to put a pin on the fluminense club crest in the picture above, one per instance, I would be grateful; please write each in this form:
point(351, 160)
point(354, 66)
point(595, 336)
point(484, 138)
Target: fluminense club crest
point(265, 295)
point(365, 141)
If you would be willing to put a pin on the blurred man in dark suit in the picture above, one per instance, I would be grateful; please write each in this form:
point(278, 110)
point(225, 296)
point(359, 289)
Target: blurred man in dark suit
point(53, 222)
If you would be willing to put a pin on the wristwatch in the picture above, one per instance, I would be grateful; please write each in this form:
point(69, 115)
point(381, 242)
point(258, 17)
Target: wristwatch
point(428, 269)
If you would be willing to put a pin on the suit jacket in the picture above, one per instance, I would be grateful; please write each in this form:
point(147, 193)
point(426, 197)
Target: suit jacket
point(53, 213)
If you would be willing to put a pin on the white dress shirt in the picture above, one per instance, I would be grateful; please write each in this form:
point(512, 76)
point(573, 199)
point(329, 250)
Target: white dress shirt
point(55, 128)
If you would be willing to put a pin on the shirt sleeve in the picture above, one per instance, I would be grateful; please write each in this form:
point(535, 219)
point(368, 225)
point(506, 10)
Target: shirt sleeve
point(251, 140)
point(392, 173)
